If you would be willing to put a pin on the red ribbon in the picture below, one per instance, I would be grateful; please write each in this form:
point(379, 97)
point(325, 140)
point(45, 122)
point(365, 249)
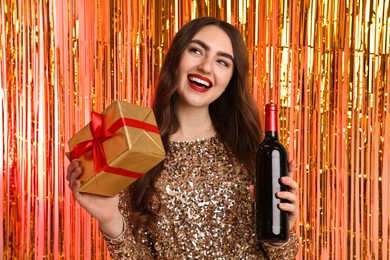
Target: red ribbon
point(99, 135)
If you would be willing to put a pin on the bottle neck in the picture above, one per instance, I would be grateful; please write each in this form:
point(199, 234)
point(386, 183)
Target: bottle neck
point(271, 121)
point(271, 135)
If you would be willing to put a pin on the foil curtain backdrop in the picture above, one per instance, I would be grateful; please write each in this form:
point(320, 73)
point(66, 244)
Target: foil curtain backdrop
point(326, 63)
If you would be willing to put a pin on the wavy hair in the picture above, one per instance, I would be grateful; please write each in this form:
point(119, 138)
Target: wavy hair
point(234, 114)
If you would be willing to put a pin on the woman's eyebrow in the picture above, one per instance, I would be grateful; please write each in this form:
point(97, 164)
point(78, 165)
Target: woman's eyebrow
point(207, 48)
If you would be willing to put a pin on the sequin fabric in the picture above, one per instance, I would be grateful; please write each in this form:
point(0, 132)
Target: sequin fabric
point(205, 211)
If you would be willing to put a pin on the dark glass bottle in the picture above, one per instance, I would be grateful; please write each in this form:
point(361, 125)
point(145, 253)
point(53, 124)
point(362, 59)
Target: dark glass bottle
point(271, 163)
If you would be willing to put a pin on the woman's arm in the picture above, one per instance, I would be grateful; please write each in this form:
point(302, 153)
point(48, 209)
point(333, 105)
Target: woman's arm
point(113, 216)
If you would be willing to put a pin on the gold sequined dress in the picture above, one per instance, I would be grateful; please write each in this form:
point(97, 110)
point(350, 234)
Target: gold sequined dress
point(205, 210)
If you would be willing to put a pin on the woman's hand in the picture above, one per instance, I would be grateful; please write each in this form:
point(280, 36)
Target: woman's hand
point(291, 195)
point(104, 209)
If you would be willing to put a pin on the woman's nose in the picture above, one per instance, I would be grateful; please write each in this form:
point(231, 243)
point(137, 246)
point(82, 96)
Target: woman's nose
point(205, 65)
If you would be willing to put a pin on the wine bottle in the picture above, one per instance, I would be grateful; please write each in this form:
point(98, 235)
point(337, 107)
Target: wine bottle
point(271, 163)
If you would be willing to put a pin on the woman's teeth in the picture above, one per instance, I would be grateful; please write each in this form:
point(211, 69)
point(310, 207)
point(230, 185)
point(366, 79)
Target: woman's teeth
point(200, 82)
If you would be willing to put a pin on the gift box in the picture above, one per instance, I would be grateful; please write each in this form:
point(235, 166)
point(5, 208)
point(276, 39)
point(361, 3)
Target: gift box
point(116, 147)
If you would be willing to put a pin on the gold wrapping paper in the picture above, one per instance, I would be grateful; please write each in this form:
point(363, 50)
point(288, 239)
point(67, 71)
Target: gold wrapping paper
point(132, 149)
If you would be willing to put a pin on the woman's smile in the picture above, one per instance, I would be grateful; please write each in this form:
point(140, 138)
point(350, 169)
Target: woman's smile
point(199, 83)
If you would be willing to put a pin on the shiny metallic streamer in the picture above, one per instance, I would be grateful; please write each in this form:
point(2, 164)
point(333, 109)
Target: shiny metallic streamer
point(326, 63)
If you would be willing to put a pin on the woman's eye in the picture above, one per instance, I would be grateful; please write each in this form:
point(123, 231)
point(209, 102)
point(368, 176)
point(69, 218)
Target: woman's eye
point(223, 63)
point(195, 50)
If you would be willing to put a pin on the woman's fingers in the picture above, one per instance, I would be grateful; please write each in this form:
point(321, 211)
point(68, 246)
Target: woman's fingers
point(285, 195)
point(71, 168)
point(290, 183)
point(291, 204)
point(291, 168)
point(73, 173)
point(291, 194)
point(73, 176)
point(288, 207)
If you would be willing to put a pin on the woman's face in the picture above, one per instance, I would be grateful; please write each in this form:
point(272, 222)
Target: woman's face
point(205, 67)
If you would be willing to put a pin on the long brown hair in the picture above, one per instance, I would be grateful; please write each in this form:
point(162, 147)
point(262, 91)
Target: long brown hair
point(234, 114)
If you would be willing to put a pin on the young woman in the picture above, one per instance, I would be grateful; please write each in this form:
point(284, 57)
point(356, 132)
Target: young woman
point(197, 202)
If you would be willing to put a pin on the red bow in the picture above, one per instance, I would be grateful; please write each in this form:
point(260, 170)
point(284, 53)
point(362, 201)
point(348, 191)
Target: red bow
point(96, 144)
